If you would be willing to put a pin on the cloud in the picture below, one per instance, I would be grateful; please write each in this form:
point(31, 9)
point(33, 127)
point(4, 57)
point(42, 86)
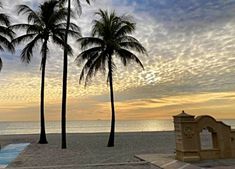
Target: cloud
point(190, 48)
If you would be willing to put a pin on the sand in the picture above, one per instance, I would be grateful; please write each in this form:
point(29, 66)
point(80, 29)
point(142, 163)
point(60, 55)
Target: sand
point(90, 151)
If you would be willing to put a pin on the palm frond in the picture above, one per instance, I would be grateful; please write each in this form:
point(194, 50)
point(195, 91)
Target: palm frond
point(0, 64)
point(94, 68)
point(30, 28)
point(23, 38)
point(127, 56)
point(88, 41)
point(20, 26)
point(58, 16)
point(34, 29)
point(7, 32)
point(127, 28)
point(32, 15)
point(98, 28)
point(87, 54)
point(77, 5)
point(4, 42)
point(71, 33)
point(103, 14)
point(94, 65)
point(87, 68)
point(27, 52)
point(72, 26)
point(133, 46)
point(96, 62)
point(4, 19)
point(1, 48)
point(60, 42)
point(127, 38)
point(50, 15)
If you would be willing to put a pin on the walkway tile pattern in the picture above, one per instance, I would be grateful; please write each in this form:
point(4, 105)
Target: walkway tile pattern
point(166, 161)
point(10, 152)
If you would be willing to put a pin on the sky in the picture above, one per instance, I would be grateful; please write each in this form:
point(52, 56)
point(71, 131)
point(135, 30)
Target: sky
point(190, 66)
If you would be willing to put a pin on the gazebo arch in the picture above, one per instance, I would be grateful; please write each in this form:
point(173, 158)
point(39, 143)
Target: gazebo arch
point(189, 141)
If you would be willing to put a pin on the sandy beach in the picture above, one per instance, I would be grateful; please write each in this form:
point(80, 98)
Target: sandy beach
point(90, 151)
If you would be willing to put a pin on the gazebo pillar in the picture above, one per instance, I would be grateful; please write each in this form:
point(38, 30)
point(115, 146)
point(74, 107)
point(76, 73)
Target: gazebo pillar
point(186, 138)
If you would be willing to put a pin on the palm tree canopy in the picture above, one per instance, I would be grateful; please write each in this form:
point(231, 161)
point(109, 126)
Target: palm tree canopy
point(77, 4)
point(6, 35)
point(43, 24)
point(110, 37)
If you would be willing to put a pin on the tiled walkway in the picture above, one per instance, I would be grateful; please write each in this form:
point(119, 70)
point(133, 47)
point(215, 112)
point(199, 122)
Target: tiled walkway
point(10, 152)
point(167, 161)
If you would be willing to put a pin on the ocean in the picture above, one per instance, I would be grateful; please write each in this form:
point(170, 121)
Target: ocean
point(97, 126)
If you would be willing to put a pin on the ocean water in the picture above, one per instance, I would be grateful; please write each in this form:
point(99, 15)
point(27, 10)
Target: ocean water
point(91, 126)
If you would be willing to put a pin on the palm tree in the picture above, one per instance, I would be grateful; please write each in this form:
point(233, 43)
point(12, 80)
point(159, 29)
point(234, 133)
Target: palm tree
point(43, 25)
point(65, 70)
point(5, 34)
point(110, 37)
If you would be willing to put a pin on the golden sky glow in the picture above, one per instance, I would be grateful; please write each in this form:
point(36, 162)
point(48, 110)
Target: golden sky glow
point(190, 66)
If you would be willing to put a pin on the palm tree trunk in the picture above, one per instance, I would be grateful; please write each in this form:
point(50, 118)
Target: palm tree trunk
point(112, 131)
point(43, 139)
point(64, 88)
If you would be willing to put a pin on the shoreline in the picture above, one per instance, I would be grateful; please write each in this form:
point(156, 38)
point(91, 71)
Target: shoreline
point(33, 138)
point(118, 132)
point(86, 127)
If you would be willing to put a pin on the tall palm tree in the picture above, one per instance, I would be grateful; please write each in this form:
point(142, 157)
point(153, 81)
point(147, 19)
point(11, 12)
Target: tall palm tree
point(65, 69)
point(110, 38)
point(6, 34)
point(44, 25)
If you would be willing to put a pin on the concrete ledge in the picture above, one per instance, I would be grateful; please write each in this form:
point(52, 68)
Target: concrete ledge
point(83, 165)
point(191, 158)
point(166, 161)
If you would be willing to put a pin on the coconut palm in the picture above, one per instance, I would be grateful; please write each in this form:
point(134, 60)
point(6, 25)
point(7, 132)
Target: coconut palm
point(110, 38)
point(65, 68)
point(6, 35)
point(43, 25)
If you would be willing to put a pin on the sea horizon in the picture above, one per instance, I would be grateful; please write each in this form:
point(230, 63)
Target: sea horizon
point(92, 126)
